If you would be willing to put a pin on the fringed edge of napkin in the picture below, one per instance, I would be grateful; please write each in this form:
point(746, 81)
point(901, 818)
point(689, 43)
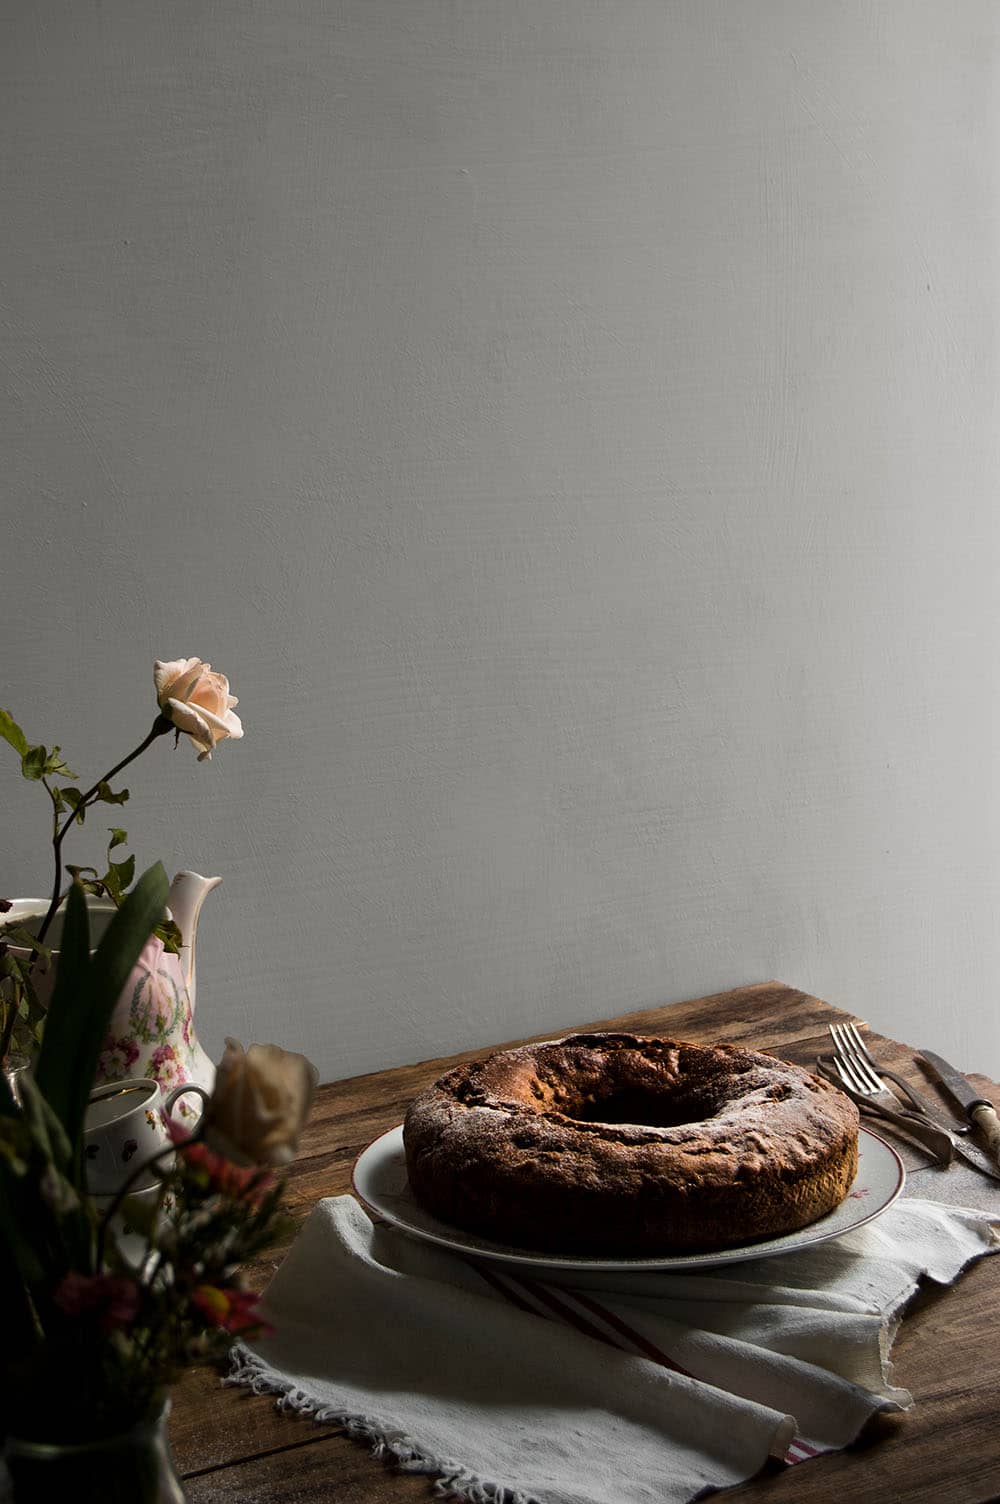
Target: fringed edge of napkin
point(451, 1480)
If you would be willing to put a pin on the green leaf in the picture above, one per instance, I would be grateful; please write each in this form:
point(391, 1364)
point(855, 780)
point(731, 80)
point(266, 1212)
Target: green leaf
point(105, 795)
point(74, 799)
point(170, 934)
point(19, 934)
point(71, 999)
point(118, 877)
point(33, 763)
point(86, 991)
point(88, 884)
point(44, 1126)
point(33, 1010)
point(55, 764)
point(118, 838)
point(11, 732)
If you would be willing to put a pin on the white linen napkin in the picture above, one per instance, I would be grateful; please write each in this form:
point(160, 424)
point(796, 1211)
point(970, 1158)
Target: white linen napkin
point(448, 1366)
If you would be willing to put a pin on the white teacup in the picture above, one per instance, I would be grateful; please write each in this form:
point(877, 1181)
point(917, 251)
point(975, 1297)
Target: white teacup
point(134, 1241)
point(124, 1128)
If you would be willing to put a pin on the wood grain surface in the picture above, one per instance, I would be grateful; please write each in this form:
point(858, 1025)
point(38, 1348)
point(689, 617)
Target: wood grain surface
point(232, 1445)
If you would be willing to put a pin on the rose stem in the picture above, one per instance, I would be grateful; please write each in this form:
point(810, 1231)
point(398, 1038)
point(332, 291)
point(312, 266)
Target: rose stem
point(160, 727)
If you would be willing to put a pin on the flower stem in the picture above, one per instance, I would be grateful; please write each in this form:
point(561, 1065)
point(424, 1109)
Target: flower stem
point(160, 728)
point(8, 1030)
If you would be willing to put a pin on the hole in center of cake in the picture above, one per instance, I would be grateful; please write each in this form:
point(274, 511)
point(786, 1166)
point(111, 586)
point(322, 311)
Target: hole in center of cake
point(643, 1109)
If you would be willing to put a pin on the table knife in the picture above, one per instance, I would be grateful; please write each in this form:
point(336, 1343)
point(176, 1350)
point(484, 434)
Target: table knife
point(980, 1112)
point(939, 1140)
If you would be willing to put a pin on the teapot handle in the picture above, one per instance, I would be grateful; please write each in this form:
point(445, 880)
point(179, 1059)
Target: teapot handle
point(179, 1091)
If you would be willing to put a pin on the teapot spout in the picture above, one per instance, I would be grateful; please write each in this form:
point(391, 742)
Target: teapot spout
point(188, 892)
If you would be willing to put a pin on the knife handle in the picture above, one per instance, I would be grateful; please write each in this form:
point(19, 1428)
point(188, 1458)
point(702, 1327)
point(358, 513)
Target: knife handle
point(986, 1120)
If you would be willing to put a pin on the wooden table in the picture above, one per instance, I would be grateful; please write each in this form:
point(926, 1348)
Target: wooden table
point(232, 1445)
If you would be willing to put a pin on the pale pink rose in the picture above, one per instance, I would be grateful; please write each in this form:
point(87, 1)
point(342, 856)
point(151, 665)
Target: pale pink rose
point(197, 701)
point(260, 1103)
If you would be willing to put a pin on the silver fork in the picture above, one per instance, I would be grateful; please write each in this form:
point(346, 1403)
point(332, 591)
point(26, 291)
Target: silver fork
point(858, 1072)
point(855, 1044)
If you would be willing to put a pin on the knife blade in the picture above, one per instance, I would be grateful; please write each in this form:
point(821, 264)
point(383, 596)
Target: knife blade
point(977, 1108)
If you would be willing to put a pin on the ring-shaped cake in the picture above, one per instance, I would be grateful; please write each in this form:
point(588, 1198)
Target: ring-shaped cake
point(618, 1144)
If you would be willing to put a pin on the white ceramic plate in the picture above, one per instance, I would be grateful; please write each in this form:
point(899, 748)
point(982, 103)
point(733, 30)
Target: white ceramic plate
point(380, 1182)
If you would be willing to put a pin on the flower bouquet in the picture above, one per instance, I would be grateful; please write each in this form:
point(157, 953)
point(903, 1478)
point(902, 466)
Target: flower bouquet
point(93, 1339)
point(192, 700)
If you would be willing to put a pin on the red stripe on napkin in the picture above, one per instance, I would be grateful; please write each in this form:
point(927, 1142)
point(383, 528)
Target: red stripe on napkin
point(555, 1308)
point(642, 1343)
point(498, 1284)
point(800, 1451)
point(566, 1313)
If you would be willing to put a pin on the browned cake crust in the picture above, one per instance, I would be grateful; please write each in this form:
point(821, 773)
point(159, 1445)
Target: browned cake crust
point(617, 1144)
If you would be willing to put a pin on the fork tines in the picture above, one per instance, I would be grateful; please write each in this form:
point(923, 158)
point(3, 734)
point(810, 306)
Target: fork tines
point(853, 1060)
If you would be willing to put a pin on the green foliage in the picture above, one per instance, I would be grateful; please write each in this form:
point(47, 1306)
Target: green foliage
point(105, 795)
point(56, 768)
point(33, 763)
point(11, 732)
point(73, 798)
point(118, 877)
point(21, 1017)
point(115, 881)
point(77, 1315)
point(19, 934)
point(86, 990)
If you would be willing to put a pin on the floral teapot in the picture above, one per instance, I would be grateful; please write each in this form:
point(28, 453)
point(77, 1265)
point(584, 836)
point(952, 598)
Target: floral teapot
point(151, 1031)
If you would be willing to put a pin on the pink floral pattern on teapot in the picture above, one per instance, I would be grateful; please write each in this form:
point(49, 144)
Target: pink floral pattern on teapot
point(151, 1032)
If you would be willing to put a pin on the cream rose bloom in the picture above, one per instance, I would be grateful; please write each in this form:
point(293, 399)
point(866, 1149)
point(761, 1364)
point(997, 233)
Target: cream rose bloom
point(260, 1103)
point(197, 701)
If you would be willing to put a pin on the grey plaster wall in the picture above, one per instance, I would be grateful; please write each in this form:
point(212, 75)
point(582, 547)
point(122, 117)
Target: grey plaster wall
point(573, 428)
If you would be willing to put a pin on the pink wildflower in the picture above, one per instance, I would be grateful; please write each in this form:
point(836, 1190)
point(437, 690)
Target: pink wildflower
point(239, 1182)
point(233, 1310)
point(112, 1298)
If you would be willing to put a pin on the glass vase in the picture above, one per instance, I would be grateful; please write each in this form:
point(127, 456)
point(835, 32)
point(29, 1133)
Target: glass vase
point(15, 1065)
point(134, 1467)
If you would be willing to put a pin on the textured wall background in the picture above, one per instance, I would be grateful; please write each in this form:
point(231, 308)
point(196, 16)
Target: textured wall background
point(573, 428)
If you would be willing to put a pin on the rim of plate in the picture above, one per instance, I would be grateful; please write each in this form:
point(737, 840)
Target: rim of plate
point(457, 1240)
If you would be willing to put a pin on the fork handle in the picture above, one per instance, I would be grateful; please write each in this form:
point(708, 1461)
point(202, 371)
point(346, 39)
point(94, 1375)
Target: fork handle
point(986, 1120)
point(916, 1101)
point(937, 1140)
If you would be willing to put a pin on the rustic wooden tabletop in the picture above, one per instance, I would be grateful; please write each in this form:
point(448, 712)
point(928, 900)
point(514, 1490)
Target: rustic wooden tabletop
point(232, 1445)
